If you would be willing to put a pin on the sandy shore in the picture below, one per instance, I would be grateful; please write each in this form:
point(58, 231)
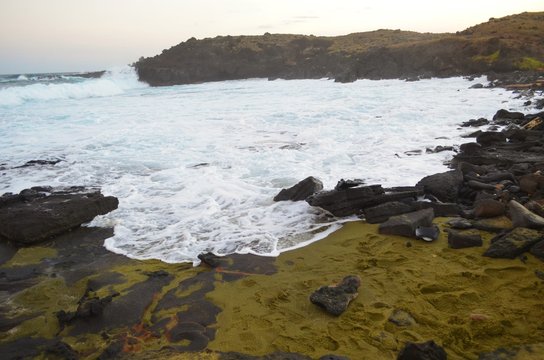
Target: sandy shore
point(462, 300)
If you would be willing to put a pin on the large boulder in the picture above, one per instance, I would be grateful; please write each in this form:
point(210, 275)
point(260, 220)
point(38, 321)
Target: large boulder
point(514, 243)
point(523, 217)
point(40, 213)
point(406, 224)
point(444, 186)
point(301, 190)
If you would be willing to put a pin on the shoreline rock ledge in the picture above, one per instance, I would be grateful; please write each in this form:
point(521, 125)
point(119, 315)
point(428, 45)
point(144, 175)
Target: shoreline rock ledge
point(40, 213)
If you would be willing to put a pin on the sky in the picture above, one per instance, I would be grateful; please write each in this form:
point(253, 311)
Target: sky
point(86, 35)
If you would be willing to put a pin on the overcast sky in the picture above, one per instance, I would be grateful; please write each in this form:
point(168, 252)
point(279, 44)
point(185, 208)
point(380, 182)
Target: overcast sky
point(80, 35)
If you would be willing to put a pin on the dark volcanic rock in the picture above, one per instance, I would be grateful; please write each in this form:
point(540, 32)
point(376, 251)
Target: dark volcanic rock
point(406, 224)
point(445, 186)
point(505, 114)
point(460, 240)
point(513, 243)
point(460, 223)
point(475, 123)
point(488, 208)
point(346, 184)
point(423, 351)
point(382, 212)
point(523, 217)
point(34, 216)
point(301, 190)
point(538, 250)
point(440, 209)
point(353, 200)
point(487, 138)
point(336, 298)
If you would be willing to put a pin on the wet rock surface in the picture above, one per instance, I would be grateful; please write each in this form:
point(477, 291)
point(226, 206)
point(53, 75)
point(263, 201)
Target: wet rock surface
point(300, 191)
point(460, 240)
point(38, 214)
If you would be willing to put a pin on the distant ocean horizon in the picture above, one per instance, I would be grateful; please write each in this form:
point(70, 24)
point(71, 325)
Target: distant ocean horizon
point(195, 167)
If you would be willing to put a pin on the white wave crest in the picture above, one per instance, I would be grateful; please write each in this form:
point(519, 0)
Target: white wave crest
point(114, 82)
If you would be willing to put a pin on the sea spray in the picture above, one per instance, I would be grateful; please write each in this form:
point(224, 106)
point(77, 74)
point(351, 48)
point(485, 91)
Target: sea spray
point(196, 167)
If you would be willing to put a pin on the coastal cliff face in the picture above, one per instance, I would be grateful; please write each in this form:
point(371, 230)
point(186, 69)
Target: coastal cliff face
point(499, 45)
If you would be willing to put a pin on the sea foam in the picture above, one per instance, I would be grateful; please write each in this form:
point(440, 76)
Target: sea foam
point(196, 167)
point(113, 82)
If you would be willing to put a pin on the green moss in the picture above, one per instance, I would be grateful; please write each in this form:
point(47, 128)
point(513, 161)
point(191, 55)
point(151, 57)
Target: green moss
point(457, 297)
point(30, 256)
point(529, 63)
point(489, 59)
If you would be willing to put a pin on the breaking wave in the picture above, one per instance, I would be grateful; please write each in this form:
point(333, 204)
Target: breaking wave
point(114, 82)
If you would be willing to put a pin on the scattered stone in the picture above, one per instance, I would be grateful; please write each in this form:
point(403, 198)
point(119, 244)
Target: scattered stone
point(539, 274)
point(336, 298)
point(531, 183)
point(39, 163)
point(210, 259)
point(496, 224)
point(353, 200)
point(300, 191)
point(535, 207)
point(406, 224)
point(346, 184)
point(401, 318)
point(460, 240)
point(469, 149)
point(36, 215)
point(505, 114)
point(440, 208)
point(423, 351)
point(487, 208)
point(413, 152)
point(445, 186)
point(487, 138)
point(427, 233)
point(514, 243)
point(477, 86)
point(477, 185)
point(475, 122)
point(460, 223)
point(522, 217)
point(89, 306)
point(439, 149)
point(382, 212)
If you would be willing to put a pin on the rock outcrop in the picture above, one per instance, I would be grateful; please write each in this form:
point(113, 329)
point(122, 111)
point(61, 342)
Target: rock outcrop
point(40, 213)
point(372, 55)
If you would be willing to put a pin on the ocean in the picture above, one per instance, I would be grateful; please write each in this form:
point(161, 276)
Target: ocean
point(195, 167)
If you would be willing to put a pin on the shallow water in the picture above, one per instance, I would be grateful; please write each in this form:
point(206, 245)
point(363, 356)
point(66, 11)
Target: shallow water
point(195, 167)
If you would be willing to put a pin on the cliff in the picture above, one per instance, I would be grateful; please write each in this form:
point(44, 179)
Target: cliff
point(499, 45)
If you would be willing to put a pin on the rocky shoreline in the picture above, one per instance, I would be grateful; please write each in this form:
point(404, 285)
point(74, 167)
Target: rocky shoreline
point(450, 268)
